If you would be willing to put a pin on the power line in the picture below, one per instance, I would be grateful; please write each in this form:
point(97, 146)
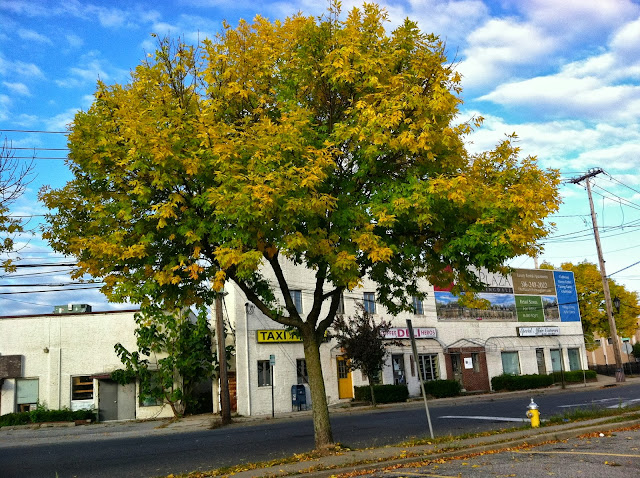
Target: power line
point(32, 131)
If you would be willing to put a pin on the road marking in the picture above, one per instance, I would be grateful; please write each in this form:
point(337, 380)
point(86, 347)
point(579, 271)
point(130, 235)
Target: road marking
point(626, 403)
point(408, 473)
point(592, 402)
point(577, 453)
point(480, 417)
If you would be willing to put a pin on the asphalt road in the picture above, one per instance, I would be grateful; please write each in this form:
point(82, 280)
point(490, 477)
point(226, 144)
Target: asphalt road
point(140, 450)
point(614, 455)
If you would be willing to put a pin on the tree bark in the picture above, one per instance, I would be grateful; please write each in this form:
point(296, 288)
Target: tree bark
point(225, 401)
point(321, 424)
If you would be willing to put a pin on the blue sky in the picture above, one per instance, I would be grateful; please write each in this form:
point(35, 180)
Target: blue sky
point(564, 75)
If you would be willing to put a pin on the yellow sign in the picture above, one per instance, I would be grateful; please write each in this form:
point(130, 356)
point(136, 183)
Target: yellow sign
point(276, 335)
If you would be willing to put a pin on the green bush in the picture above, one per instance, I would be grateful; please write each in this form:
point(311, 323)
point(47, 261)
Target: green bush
point(12, 419)
point(520, 382)
point(382, 393)
point(574, 376)
point(41, 415)
point(443, 388)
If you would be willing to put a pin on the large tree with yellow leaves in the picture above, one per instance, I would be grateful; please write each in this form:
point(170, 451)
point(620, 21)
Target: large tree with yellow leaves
point(327, 142)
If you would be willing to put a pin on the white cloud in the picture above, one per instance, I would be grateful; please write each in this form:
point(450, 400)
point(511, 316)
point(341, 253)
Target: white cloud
point(19, 69)
point(5, 102)
point(74, 40)
point(499, 46)
point(61, 121)
point(17, 88)
point(33, 36)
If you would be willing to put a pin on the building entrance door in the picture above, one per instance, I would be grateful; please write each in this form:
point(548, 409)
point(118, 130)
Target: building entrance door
point(116, 402)
point(456, 367)
point(542, 367)
point(556, 360)
point(399, 377)
point(345, 384)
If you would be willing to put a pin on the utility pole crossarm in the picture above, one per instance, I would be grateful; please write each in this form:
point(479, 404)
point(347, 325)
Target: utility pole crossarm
point(603, 273)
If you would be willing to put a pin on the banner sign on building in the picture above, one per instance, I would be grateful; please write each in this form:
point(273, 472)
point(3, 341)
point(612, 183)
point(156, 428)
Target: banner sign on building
point(418, 333)
point(527, 295)
point(277, 336)
point(538, 331)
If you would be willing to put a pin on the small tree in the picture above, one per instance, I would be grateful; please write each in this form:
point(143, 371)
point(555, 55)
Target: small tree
point(189, 358)
point(14, 178)
point(364, 344)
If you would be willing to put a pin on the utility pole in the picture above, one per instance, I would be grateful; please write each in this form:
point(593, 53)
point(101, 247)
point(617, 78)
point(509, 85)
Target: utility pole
point(605, 282)
point(225, 401)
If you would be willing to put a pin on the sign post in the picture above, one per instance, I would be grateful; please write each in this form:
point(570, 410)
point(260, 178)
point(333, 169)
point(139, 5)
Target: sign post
point(272, 363)
point(415, 358)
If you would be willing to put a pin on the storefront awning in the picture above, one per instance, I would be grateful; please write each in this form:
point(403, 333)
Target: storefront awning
point(498, 344)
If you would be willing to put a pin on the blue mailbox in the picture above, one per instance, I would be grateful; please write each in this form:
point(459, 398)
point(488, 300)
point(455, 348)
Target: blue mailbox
point(298, 397)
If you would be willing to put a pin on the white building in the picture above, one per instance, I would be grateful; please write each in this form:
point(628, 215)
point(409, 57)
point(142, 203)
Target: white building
point(532, 326)
point(65, 360)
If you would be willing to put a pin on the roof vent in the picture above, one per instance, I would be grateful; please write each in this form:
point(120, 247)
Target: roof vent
point(72, 309)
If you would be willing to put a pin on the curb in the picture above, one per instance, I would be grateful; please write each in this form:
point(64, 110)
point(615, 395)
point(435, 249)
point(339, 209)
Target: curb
point(431, 452)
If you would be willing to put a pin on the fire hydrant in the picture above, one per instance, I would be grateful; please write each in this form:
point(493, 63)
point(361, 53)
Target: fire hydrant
point(534, 414)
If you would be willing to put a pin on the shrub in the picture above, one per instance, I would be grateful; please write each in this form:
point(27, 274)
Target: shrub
point(574, 376)
point(12, 419)
point(442, 388)
point(520, 382)
point(41, 414)
point(382, 393)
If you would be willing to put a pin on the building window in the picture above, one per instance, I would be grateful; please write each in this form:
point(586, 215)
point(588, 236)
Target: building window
point(82, 388)
point(428, 364)
point(610, 341)
point(296, 296)
point(343, 369)
point(510, 363)
point(264, 373)
point(148, 400)
point(369, 303)
point(475, 361)
point(26, 394)
point(301, 371)
point(418, 307)
point(574, 359)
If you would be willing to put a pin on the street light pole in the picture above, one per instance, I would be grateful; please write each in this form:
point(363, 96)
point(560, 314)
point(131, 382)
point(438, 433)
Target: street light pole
point(605, 281)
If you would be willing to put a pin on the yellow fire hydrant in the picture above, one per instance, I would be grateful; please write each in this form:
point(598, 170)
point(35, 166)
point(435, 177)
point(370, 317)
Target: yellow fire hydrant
point(534, 414)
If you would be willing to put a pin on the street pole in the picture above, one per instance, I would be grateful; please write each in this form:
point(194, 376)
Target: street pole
point(605, 282)
point(225, 400)
point(415, 359)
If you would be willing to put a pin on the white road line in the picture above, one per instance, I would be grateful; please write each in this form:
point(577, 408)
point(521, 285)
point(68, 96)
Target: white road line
point(480, 417)
point(626, 403)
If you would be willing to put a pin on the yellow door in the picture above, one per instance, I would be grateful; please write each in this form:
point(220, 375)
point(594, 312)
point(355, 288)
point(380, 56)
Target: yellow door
point(345, 385)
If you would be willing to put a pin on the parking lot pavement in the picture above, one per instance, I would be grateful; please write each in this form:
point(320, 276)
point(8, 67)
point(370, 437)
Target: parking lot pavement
point(610, 455)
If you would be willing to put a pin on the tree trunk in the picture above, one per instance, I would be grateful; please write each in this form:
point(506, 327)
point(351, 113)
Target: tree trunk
point(225, 401)
point(321, 424)
point(373, 395)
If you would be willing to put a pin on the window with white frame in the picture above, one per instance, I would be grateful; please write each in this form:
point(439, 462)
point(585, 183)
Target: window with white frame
point(428, 364)
point(418, 307)
point(264, 373)
point(510, 363)
point(81, 388)
point(369, 302)
point(296, 296)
